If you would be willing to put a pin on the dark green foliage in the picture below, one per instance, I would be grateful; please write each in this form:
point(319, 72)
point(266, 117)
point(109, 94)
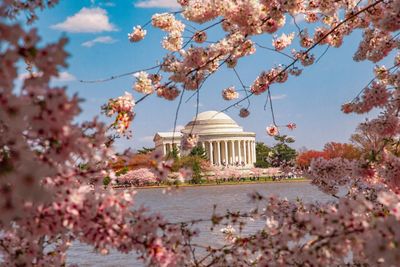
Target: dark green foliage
point(282, 155)
point(199, 152)
point(173, 154)
point(196, 168)
point(145, 150)
point(279, 155)
point(262, 151)
point(106, 181)
point(122, 171)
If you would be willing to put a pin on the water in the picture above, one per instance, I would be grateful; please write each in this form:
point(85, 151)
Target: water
point(194, 203)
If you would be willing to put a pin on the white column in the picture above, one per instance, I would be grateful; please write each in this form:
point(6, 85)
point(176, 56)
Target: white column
point(211, 153)
point(239, 152)
point(244, 151)
point(219, 153)
point(203, 146)
point(251, 152)
point(164, 149)
point(226, 153)
point(248, 153)
point(233, 152)
point(254, 151)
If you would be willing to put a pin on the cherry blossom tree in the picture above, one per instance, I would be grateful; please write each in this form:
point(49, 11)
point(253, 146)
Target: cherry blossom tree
point(138, 177)
point(47, 160)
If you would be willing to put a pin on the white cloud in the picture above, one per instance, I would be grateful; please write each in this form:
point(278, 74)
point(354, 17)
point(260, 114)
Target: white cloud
point(101, 40)
point(65, 77)
point(278, 97)
point(86, 20)
point(158, 4)
point(62, 76)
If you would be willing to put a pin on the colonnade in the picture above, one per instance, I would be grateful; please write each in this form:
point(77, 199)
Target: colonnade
point(237, 152)
point(234, 152)
point(168, 147)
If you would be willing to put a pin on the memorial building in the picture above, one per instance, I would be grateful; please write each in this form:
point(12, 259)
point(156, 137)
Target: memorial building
point(225, 142)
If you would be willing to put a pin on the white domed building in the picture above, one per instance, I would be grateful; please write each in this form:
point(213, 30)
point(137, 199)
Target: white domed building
point(225, 142)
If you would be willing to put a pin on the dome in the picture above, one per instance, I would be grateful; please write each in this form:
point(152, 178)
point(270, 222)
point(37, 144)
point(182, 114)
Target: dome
point(210, 122)
point(212, 115)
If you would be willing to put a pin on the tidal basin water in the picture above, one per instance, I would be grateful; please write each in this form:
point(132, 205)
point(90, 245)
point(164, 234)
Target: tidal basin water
point(194, 203)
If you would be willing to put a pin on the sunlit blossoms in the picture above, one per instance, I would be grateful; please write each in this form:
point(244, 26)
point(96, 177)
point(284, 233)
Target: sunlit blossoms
point(168, 92)
point(283, 41)
point(261, 84)
point(137, 34)
point(229, 233)
point(230, 93)
point(123, 108)
point(167, 22)
point(143, 83)
point(272, 130)
point(306, 59)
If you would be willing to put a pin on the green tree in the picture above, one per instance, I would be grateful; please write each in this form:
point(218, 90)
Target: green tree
point(196, 168)
point(282, 155)
point(262, 152)
point(145, 150)
point(192, 162)
point(199, 152)
point(173, 154)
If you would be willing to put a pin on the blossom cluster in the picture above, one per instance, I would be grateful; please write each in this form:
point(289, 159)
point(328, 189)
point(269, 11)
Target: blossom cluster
point(272, 130)
point(137, 34)
point(123, 107)
point(283, 41)
point(143, 83)
point(168, 92)
point(174, 27)
point(230, 93)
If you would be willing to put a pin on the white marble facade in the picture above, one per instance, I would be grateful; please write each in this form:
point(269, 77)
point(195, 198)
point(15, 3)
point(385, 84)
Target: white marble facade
point(225, 142)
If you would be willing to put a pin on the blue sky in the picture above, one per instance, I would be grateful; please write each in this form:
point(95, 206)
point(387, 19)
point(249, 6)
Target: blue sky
point(99, 48)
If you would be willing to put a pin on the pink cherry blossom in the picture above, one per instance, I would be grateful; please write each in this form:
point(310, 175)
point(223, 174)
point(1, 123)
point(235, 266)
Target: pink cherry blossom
point(143, 83)
point(230, 93)
point(283, 41)
point(137, 34)
point(272, 130)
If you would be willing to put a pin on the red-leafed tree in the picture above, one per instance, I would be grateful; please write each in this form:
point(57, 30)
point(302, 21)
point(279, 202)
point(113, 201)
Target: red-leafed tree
point(341, 150)
point(303, 160)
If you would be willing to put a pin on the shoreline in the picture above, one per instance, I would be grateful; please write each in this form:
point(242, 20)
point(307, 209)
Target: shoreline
point(220, 184)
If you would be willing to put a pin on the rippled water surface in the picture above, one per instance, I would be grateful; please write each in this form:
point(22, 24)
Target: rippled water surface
point(194, 203)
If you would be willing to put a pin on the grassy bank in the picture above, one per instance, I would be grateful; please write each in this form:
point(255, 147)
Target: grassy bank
point(261, 180)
